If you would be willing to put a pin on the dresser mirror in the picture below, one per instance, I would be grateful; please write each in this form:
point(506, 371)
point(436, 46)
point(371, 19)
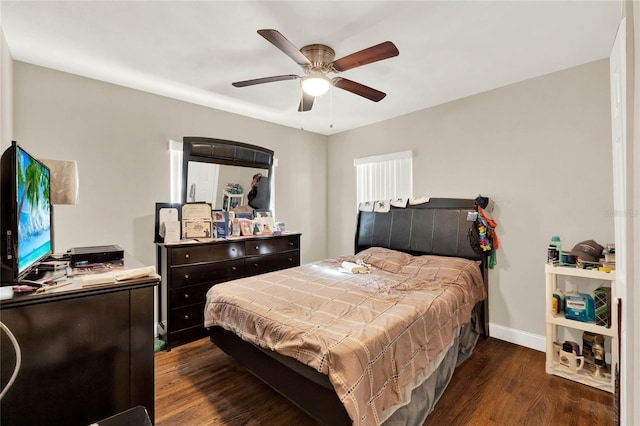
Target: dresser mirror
point(221, 172)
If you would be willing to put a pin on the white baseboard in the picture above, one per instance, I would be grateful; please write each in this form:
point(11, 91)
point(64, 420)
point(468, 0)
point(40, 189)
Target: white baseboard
point(518, 337)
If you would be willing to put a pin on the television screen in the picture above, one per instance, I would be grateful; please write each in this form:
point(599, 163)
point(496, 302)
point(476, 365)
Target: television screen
point(34, 210)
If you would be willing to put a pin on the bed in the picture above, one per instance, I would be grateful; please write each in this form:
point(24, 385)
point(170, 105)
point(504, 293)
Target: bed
point(371, 348)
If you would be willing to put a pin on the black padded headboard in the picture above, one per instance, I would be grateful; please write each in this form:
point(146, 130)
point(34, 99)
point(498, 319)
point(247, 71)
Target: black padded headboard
point(439, 227)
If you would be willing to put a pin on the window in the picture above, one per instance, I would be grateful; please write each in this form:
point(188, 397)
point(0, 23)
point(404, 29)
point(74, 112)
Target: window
point(384, 177)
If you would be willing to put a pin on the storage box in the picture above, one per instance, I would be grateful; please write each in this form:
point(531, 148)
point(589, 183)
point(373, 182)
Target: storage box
point(602, 301)
point(579, 307)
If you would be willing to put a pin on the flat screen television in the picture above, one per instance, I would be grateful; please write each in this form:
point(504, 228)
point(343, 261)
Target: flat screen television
point(26, 219)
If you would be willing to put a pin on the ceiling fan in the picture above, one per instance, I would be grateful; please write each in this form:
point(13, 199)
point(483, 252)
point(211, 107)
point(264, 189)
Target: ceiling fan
point(317, 61)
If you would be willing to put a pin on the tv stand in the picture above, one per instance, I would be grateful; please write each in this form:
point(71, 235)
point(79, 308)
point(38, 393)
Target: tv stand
point(87, 352)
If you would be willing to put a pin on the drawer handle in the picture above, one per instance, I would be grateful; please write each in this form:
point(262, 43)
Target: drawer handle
point(186, 295)
point(186, 317)
point(257, 247)
point(291, 259)
point(233, 268)
point(255, 265)
point(291, 243)
point(186, 256)
point(186, 276)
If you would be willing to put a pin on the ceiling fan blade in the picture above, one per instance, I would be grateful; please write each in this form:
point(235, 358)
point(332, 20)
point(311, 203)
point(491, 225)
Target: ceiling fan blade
point(372, 54)
point(280, 41)
point(306, 103)
point(265, 80)
point(358, 89)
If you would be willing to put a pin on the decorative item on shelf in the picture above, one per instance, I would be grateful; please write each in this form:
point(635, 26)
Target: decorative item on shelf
point(570, 357)
point(593, 352)
point(571, 361)
point(598, 356)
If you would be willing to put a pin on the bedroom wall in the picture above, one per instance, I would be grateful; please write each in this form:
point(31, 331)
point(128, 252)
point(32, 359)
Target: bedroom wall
point(119, 137)
point(6, 93)
point(540, 148)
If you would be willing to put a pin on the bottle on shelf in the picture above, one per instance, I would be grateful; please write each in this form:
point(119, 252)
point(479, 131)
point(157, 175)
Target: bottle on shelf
point(554, 251)
point(557, 304)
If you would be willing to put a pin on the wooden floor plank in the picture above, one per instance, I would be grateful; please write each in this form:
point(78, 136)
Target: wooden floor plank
point(501, 384)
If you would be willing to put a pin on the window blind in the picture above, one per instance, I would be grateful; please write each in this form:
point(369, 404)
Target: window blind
point(384, 177)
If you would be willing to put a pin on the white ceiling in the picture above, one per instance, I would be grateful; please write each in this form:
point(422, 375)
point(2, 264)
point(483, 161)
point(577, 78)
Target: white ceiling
point(193, 51)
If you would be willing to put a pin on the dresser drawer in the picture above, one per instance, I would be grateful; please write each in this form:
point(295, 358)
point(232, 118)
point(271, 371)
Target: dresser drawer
point(272, 262)
point(272, 245)
point(189, 295)
point(205, 253)
point(186, 317)
point(211, 273)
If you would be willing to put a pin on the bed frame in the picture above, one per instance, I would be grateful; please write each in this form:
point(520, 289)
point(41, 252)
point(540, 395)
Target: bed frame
point(439, 227)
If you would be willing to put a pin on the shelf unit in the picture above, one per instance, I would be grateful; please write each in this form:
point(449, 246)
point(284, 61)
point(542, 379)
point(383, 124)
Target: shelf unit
point(228, 199)
point(552, 272)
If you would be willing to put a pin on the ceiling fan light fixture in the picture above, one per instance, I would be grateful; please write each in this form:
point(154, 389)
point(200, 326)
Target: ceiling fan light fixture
point(315, 84)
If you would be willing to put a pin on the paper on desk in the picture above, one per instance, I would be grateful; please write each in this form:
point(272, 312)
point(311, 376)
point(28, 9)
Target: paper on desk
point(116, 276)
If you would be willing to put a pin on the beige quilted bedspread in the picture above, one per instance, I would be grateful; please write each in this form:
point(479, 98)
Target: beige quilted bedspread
point(373, 334)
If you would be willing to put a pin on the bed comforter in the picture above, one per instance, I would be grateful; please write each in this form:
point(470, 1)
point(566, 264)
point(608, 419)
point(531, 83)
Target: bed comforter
point(373, 334)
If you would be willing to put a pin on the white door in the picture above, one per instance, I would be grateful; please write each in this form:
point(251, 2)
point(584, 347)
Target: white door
point(203, 182)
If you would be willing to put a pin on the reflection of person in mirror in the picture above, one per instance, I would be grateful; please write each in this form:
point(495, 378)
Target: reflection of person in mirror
point(258, 195)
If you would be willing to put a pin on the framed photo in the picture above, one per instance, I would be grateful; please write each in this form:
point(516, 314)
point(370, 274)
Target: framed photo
point(166, 212)
point(195, 228)
point(245, 227)
point(220, 220)
point(196, 220)
point(244, 215)
point(262, 213)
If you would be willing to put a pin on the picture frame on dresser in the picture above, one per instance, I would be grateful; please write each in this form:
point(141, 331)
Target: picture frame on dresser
point(262, 213)
point(163, 212)
point(245, 227)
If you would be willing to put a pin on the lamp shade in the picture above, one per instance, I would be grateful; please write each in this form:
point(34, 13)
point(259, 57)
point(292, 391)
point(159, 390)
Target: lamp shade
point(315, 84)
point(64, 181)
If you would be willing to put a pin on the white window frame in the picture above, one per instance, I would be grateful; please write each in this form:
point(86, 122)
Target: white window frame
point(384, 177)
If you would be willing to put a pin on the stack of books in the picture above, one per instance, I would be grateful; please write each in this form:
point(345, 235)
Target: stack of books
point(610, 257)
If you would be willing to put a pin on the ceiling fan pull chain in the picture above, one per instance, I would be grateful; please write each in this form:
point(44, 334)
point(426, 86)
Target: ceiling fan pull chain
point(331, 108)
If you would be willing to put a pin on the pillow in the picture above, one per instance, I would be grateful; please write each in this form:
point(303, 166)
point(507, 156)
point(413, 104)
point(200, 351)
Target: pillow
point(384, 258)
point(430, 267)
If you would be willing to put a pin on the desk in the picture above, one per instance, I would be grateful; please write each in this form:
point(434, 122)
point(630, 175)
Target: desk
point(87, 353)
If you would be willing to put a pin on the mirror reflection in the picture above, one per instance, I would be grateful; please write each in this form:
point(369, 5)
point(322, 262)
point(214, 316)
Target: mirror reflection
point(228, 187)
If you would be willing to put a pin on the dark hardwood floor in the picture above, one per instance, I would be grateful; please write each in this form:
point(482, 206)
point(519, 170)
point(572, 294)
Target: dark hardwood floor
point(501, 384)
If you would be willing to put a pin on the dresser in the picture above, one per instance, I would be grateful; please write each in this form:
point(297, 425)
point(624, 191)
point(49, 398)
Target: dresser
point(86, 353)
point(189, 270)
